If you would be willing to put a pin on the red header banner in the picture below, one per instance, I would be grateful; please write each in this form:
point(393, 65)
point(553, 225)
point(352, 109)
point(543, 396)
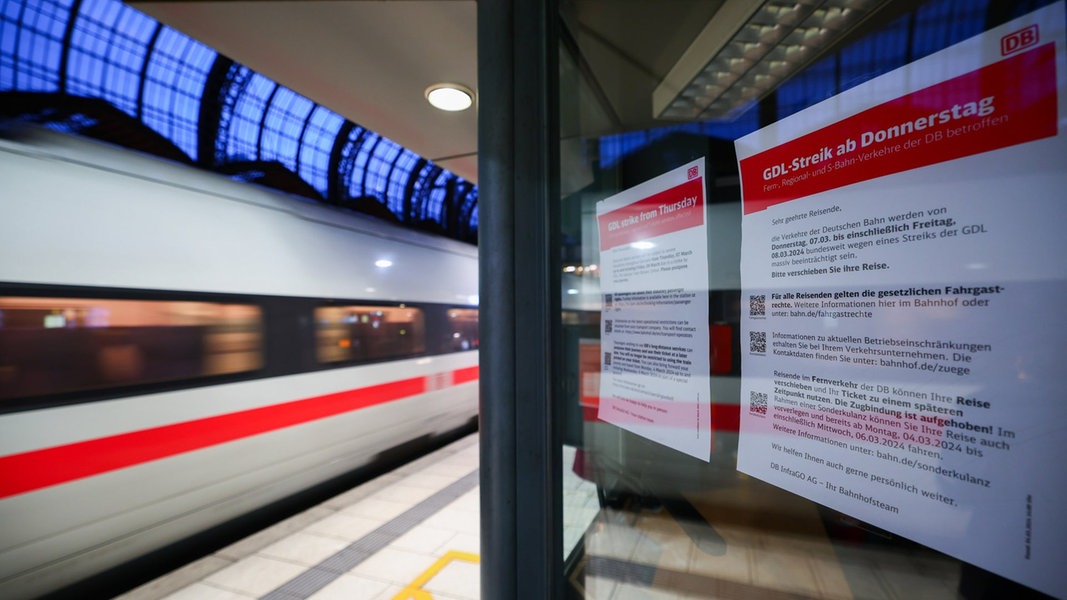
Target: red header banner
point(678, 208)
point(1006, 103)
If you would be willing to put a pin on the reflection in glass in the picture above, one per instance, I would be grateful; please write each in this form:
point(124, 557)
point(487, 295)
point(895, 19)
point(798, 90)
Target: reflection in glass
point(641, 520)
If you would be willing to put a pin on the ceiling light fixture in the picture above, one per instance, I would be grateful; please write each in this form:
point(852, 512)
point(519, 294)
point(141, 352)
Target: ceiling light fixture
point(452, 97)
point(748, 48)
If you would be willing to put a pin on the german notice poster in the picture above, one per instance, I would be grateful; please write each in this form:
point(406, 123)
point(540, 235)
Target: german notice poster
point(903, 284)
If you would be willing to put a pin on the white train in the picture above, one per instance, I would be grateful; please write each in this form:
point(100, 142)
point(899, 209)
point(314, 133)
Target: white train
point(178, 349)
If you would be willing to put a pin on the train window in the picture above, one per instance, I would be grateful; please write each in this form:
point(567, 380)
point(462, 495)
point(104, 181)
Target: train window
point(365, 333)
point(463, 324)
point(57, 345)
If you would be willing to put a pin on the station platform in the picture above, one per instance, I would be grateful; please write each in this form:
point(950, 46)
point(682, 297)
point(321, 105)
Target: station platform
point(410, 534)
point(413, 534)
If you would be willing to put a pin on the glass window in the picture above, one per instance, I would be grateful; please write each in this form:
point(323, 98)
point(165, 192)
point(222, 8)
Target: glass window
point(463, 325)
point(282, 127)
point(57, 345)
point(864, 464)
point(368, 333)
point(107, 54)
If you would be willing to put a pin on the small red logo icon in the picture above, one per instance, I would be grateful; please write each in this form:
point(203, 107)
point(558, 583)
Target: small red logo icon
point(1015, 41)
point(693, 172)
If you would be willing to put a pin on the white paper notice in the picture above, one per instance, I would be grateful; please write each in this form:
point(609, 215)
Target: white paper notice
point(654, 326)
point(903, 265)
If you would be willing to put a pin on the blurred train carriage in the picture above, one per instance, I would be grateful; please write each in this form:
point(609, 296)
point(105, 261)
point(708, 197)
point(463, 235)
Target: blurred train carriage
point(178, 349)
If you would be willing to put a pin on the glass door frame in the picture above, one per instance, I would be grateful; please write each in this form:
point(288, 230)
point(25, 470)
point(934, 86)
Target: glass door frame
point(518, 147)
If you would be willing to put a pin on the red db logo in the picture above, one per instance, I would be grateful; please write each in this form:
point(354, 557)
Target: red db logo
point(1015, 41)
point(693, 173)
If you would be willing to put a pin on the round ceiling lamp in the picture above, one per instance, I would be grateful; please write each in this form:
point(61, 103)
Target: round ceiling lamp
point(452, 97)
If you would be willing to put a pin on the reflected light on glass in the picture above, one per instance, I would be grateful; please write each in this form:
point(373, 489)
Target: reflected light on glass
point(451, 97)
point(765, 44)
point(642, 245)
point(383, 263)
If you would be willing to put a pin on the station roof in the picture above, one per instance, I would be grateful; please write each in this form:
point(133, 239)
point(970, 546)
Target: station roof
point(103, 69)
point(325, 99)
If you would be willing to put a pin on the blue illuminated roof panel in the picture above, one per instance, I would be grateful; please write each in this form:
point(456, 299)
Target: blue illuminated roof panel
point(282, 126)
point(316, 146)
point(173, 86)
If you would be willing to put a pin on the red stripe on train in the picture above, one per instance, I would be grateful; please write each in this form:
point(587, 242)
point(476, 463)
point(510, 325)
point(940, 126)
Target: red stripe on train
point(29, 471)
point(464, 375)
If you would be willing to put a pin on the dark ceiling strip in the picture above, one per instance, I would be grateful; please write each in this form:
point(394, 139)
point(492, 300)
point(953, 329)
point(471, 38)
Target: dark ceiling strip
point(339, 166)
point(267, 105)
point(454, 156)
point(303, 132)
point(68, 35)
point(149, 52)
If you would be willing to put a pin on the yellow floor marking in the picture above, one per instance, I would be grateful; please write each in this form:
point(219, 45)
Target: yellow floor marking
point(414, 590)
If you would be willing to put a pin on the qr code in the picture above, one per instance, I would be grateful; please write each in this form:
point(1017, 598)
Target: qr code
point(607, 359)
point(607, 326)
point(757, 403)
point(757, 305)
point(757, 342)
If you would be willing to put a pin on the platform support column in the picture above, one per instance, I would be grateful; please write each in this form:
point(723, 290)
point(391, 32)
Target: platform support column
point(520, 299)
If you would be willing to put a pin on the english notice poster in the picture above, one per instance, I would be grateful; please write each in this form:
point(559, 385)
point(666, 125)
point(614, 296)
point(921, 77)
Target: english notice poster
point(655, 364)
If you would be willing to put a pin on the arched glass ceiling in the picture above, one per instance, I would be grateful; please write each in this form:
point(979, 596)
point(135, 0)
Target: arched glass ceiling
point(216, 113)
